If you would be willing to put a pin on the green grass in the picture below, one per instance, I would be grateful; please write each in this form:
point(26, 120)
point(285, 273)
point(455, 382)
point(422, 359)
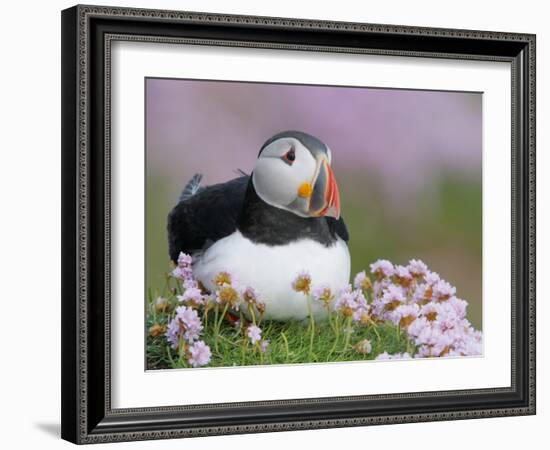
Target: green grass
point(290, 342)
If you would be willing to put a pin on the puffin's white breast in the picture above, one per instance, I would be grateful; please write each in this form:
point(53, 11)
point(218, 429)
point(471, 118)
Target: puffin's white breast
point(271, 269)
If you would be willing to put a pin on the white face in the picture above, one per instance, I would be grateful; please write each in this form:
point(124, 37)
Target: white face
point(283, 166)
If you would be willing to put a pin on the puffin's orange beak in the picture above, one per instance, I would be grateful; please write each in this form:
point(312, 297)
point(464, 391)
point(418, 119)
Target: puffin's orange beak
point(325, 198)
point(332, 196)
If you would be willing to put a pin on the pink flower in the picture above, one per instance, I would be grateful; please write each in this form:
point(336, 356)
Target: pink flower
point(393, 294)
point(173, 333)
point(183, 271)
point(443, 290)
point(250, 295)
point(224, 278)
point(192, 295)
point(431, 277)
point(392, 298)
point(264, 344)
point(382, 268)
point(442, 345)
point(379, 287)
point(403, 275)
point(191, 322)
point(346, 299)
point(351, 303)
point(189, 283)
point(254, 333)
point(362, 314)
point(184, 260)
point(186, 325)
point(404, 315)
point(200, 354)
point(416, 327)
point(422, 293)
point(417, 268)
point(302, 283)
point(430, 311)
point(459, 306)
point(424, 351)
point(228, 295)
point(361, 281)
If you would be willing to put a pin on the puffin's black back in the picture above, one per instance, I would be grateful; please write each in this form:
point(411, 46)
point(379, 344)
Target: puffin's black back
point(216, 211)
point(202, 219)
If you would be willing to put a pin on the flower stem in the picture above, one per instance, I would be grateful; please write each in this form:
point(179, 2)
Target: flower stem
point(166, 284)
point(261, 353)
point(251, 311)
point(241, 322)
point(311, 325)
point(348, 333)
point(205, 318)
point(409, 347)
point(330, 321)
point(286, 346)
point(375, 329)
point(181, 348)
point(226, 306)
point(169, 353)
point(336, 336)
point(216, 308)
point(218, 323)
point(243, 350)
point(151, 305)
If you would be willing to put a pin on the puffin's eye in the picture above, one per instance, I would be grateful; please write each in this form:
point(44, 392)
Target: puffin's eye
point(289, 156)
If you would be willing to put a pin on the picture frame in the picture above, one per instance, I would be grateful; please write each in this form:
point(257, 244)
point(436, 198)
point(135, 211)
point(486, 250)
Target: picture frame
point(88, 33)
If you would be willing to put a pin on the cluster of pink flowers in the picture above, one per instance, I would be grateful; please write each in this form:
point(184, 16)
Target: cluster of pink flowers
point(348, 302)
point(352, 303)
point(199, 354)
point(413, 298)
point(426, 307)
point(184, 269)
point(254, 334)
point(185, 329)
point(187, 326)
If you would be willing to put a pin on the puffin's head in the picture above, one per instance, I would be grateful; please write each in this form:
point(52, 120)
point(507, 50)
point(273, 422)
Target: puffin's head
point(293, 172)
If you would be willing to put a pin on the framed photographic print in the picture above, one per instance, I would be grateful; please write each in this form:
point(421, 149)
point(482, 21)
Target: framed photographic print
point(282, 224)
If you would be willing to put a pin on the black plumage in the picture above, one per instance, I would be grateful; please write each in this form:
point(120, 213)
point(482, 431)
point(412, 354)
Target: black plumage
point(198, 221)
point(216, 211)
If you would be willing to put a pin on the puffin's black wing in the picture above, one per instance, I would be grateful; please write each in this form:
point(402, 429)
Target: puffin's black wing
point(338, 227)
point(205, 216)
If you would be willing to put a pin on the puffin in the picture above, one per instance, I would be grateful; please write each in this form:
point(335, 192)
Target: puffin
point(268, 227)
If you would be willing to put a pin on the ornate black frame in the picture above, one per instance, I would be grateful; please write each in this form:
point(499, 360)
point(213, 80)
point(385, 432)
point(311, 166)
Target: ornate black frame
point(87, 32)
